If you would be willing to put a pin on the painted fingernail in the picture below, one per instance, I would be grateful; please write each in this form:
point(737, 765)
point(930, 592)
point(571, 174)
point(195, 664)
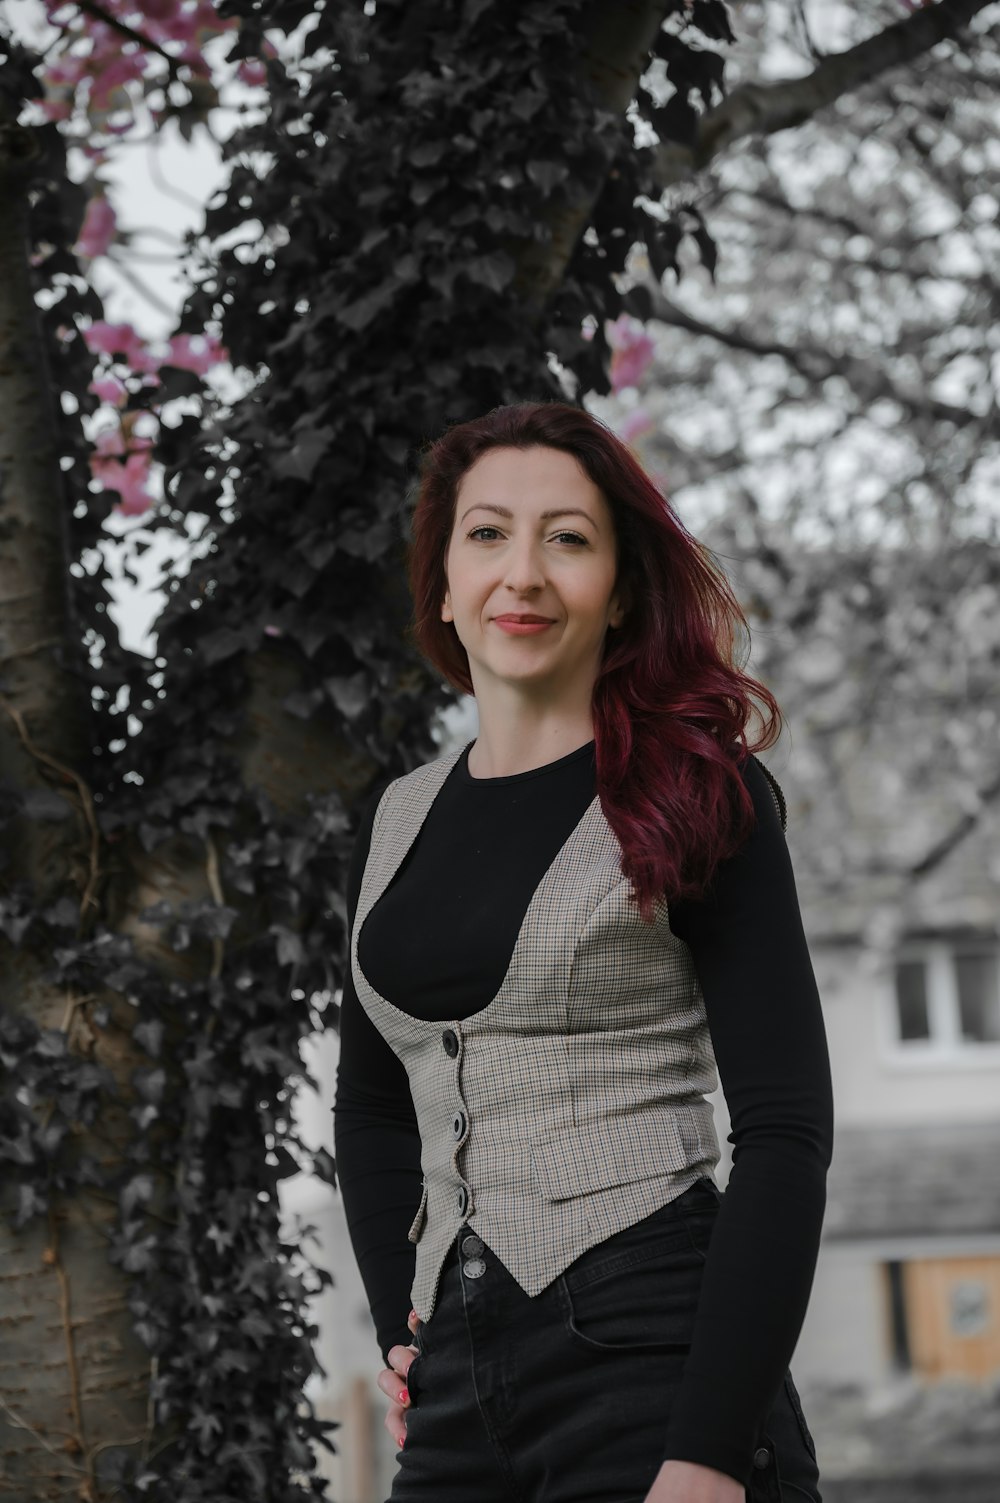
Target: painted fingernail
point(404, 1395)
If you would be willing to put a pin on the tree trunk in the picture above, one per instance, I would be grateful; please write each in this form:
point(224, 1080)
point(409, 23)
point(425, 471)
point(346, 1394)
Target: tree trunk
point(73, 1377)
point(615, 45)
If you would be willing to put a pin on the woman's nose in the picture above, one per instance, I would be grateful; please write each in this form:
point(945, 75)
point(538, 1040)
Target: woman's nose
point(524, 569)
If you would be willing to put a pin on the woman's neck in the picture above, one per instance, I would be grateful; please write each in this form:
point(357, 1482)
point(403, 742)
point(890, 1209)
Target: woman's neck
point(512, 746)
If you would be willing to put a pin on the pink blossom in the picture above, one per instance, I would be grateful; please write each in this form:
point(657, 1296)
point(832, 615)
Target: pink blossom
point(109, 441)
point(106, 85)
point(634, 425)
point(130, 478)
point(122, 340)
point(252, 72)
point(109, 389)
point(158, 10)
point(99, 225)
point(135, 498)
point(103, 338)
point(56, 109)
point(195, 352)
point(632, 349)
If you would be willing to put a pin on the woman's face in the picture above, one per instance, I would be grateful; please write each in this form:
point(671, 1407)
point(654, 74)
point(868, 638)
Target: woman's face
point(532, 536)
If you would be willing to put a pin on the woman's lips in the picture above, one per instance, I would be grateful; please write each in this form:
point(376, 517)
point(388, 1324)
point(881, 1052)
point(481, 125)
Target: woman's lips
point(521, 628)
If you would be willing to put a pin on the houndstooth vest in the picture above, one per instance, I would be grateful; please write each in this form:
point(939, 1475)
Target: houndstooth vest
point(573, 1104)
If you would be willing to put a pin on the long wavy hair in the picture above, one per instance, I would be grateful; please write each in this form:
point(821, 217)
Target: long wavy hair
point(671, 704)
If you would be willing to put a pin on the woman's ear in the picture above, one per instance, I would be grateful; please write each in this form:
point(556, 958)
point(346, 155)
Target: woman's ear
point(619, 608)
point(447, 614)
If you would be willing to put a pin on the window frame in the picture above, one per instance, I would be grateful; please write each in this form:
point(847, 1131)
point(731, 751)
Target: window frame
point(946, 1044)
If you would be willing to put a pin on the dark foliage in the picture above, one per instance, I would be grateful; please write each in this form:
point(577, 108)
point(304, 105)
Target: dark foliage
point(363, 270)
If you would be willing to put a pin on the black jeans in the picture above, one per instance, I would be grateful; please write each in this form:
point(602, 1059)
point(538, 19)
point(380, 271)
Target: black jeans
point(565, 1397)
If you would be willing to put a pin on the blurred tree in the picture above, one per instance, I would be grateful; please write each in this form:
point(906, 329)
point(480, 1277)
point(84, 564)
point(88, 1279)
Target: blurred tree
point(431, 212)
point(825, 409)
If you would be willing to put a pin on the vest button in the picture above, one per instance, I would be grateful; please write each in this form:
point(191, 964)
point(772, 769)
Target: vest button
point(450, 1040)
point(761, 1457)
point(462, 1200)
point(458, 1125)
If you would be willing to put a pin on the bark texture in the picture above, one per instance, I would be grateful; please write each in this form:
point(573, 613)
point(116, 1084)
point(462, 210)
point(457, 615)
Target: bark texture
point(73, 1377)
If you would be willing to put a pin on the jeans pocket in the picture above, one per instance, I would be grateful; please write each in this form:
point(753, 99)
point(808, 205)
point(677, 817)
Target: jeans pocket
point(415, 1378)
point(642, 1299)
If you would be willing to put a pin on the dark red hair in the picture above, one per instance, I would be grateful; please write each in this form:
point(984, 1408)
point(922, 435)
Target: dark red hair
point(671, 705)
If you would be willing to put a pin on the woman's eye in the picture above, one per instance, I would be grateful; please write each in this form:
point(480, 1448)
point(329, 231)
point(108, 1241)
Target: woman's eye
point(574, 537)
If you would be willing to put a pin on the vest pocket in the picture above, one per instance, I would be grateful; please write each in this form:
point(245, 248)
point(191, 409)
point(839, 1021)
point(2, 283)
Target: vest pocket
point(417, 1224)
point(612, 1151)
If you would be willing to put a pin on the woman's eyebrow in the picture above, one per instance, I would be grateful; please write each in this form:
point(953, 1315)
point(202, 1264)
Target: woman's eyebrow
point(559, 511)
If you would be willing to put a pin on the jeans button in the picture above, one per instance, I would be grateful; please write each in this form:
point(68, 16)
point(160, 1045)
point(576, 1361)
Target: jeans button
point(474, 1268)
point(761, 1457)
point(472, 1245)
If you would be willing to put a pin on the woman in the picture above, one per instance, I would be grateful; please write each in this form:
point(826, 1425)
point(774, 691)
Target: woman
point(556, 935)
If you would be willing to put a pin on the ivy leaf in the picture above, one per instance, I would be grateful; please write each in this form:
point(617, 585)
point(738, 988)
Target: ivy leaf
point(547, 175)
point(357, 315)
point(222, 643)
point(149, 1084)
point(350, 695)
point(31, 1201)
point(205, 1426)
point(177, 382)
point(662, 243)
point(495, 272)
point(289, 947)
point(138, 1192)
point(149, 1036)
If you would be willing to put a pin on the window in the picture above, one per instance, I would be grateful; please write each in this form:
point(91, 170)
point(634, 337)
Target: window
point(947, 997)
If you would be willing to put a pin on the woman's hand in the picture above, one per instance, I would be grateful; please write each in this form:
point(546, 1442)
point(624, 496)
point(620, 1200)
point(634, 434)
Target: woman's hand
point(690, 1482)
point(392, 1381)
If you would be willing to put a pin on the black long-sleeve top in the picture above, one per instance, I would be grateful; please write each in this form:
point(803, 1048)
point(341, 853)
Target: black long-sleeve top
point(438, 943)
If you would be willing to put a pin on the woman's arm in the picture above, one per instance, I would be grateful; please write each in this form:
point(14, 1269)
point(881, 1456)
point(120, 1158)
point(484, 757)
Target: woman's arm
point(377, 1142)
point(766, 1022)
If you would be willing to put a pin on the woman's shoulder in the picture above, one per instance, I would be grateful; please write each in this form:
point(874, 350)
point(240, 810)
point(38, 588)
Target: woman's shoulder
point(760, 781)
point(413, 787)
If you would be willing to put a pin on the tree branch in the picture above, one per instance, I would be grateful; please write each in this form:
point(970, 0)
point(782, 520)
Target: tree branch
point(954, 837)
point(812, 365)
point(761, 109)
point(90, 8)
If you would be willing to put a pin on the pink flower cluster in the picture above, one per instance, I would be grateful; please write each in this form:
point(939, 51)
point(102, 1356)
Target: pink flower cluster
point(121, 463)
point(122, 457)
point(100, 224)
point(102, 57)
point(632, 352)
